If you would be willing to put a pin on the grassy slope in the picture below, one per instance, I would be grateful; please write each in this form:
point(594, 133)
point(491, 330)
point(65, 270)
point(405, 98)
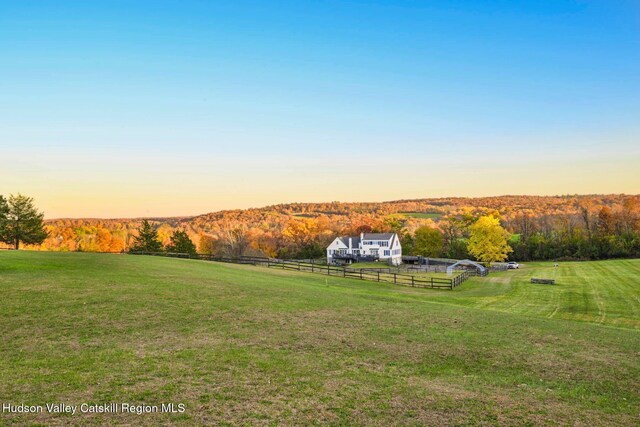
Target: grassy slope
point(243, 344)
point(421, 215)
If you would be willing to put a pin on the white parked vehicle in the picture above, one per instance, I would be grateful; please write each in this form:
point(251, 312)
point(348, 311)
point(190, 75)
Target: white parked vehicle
point(512, 265)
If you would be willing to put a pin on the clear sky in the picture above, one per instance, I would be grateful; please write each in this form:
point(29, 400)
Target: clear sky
point(133, 108)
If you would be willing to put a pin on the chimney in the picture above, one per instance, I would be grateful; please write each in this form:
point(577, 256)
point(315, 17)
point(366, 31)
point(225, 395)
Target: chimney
point(350, 243)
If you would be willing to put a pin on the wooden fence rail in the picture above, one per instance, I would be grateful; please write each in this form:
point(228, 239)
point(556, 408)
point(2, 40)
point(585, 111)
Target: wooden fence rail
point(376, 275)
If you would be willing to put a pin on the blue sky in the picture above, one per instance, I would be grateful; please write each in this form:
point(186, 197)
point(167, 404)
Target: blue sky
point(173, 108)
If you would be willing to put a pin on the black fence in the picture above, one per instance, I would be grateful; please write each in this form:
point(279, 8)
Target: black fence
point(373, 275)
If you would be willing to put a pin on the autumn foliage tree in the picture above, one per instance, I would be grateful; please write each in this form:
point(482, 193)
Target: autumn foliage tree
point(306, 237)
point(543, 227)
point(488, 241)
point(207, 244)
point(236, 242)
point(266, 243)
point(428, 242)
point(20, 221)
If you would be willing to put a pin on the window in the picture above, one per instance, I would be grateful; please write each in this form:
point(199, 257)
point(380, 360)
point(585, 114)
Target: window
point(383, 243)
point(387, 253)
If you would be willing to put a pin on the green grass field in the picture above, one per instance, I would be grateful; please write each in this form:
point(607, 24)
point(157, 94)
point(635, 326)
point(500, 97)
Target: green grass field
point(383, 265)
point(368, 265)
point(605, 292)
point(421, 215)
point(256, 346)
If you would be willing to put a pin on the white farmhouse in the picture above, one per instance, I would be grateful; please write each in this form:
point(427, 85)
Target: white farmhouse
point(367, 246)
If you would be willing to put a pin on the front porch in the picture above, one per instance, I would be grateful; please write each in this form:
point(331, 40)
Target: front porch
point(351, 258)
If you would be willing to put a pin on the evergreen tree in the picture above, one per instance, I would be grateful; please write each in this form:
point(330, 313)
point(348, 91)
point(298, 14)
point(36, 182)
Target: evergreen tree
point(4, 212)
point(181, 243)
point(147, 239)
point(20, 221)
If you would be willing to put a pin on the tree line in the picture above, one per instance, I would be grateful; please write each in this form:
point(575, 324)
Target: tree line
point(147, 240)
point(537, 228)
point(488, 241)
point(593, 232)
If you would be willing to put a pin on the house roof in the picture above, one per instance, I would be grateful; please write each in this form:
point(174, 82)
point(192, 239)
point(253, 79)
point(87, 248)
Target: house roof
point(378, 236)
point(355, 241)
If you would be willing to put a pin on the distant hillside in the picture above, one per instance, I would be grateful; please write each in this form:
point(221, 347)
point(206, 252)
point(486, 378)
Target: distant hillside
point(303, 229)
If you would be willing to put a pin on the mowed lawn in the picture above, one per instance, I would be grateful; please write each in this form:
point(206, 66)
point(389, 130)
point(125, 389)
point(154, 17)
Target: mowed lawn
point(255, 346)
point(605, 292)
point(421, 215)
point(392, 269)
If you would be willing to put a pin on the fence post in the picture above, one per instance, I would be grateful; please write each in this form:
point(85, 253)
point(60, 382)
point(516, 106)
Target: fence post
point(423, 283)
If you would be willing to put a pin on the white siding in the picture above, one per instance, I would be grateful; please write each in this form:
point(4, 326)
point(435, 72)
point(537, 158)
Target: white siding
point(382, 248)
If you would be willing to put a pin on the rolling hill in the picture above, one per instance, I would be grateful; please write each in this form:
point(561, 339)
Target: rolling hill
point(558, 219)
